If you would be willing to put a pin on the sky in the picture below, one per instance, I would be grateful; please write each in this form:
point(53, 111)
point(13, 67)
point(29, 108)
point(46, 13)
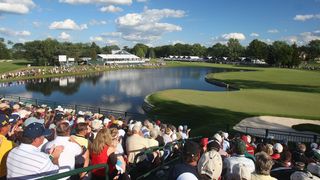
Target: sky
point(160, 22)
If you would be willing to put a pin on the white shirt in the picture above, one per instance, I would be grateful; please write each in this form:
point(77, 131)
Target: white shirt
point(67, 157)
point(230, 162)
point(28, 162)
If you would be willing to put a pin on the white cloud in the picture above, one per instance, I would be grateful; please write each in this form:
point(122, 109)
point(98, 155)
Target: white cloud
point(64, 36)
point(254, 35)
point(67, 24)
point(16, 6)
point(306, 17)
point(9, 32)
point(146, 26)
point(36, 24)
point(273, 31)
point(94, 22)
point(177, 41)
point(303, 38)
point(224, 38)
point(112, 34)
point(142, 0)
point(97, 39)
point(121, 2)
point(111, 9)
point(112, 42)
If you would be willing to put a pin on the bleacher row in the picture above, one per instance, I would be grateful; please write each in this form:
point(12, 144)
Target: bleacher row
point(71, 144)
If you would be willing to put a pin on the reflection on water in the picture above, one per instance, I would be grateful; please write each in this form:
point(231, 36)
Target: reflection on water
point(120, 90)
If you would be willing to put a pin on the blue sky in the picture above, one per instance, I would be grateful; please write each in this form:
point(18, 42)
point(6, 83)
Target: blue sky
point(160, 22)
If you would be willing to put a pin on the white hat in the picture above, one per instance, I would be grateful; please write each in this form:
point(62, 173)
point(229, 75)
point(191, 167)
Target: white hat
point(180, 127)
point(314, 169)
point(43, 105)
point(217, 137)
point(59, 108)
point(187, 176)
point(225, 135)
point(314, 145)
point(80, 120)
point(96, 124)
point(278, 147)
point(301, 175)
point(106, 121)
point(81, 113)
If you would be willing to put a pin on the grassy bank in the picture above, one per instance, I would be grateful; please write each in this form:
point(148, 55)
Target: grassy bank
point(13, 65)
point(264, 91)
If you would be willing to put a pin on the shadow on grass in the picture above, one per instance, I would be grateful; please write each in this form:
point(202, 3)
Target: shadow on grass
point(203, 120)
point(22, 63)
point(246, 84)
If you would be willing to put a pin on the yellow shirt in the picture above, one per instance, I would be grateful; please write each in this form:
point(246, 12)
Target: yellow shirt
point(5, 147)
point(81, 140)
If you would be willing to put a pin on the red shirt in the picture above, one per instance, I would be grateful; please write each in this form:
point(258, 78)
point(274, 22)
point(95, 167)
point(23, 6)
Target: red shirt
point(101, 158)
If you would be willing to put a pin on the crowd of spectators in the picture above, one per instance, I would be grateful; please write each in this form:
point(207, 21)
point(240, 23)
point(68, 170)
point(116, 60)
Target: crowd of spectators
point(37, 141)
point(56, 70)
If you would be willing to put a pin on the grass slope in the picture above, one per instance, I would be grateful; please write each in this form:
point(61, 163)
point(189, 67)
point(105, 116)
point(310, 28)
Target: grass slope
point(264, 91)
point(13, 65)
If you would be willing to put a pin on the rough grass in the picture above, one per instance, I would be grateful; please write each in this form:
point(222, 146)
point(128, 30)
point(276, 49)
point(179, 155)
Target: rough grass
point(13, 65)
point(264, 91)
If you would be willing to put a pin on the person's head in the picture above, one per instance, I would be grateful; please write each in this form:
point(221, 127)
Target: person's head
point(82, 128)
point(34, 134)
point(261, 147)
point(278, 148)
point(286, 157)
point(213, 145)
point(154, 133)
point(269, 149)
point(191, 152)
point(136, 129)
point(63, 129)
point(115, 136)
point(102, 139)
point(302, 148)
point(240, 147)
point(263, 163)
point(4, 124)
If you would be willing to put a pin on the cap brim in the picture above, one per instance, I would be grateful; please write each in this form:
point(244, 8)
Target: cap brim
point(47, 132)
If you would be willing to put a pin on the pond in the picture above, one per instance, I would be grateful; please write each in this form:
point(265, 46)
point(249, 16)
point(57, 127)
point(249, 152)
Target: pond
point(122, 90)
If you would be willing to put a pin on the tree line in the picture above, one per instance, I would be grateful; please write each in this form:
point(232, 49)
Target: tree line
point(279, 53)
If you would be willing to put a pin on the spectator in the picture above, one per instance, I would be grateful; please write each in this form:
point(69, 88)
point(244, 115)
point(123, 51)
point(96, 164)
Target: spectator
point(187, 170)
point(277, 149)
point(67, 158)
point(103, 151)
point(210, 163)
point(28, 153)
point(238, 158)
point(136, 144)
point(81, 134)
point(263, 167)
point(299, 154)
point(5, 144)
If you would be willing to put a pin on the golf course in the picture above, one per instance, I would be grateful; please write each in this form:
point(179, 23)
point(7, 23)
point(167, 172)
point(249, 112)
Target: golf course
point(262, 91)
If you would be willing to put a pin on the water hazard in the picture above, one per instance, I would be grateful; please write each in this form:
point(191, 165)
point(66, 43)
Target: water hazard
point(122, 90)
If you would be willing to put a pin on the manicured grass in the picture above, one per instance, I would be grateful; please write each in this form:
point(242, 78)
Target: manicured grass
point(307, 127)
point(263, 91)
point(13, 65)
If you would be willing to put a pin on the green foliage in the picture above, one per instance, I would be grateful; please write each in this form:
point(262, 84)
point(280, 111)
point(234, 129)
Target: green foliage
point(108, 49)
point(218, 50)
point(151, 53)
point(257, 49)
point(139, 52)
point(235, 49)
point(4, 51)
point(313, 49)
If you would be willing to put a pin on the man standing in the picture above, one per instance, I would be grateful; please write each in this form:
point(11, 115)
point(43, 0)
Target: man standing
point(5, 144)
point(27, 161)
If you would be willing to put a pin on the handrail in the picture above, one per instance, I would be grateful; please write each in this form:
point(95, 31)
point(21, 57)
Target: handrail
point(78, 171)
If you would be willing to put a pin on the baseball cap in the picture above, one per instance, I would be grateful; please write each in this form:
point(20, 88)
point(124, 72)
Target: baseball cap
point(278, 147)
point(31, 120)
point(240, 147)
point(35, 130)
point(4, 120)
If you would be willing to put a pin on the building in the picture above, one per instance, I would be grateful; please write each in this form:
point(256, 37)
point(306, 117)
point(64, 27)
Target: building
point(119, 57)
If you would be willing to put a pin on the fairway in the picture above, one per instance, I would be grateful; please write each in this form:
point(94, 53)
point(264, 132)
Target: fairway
point(263, 91)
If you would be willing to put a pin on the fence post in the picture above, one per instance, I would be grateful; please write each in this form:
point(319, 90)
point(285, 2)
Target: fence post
point(125, 114)
point(19, 99)
point(267, 133)
point(315, 138)
point(36, 101)
point(99, 110)
point(76, 108)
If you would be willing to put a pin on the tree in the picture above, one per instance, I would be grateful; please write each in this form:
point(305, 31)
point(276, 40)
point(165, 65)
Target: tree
point(313, 49)
point(18, 51)
point(282, 53)
point(151, 53)
point(4, 51)
point(140, 53)
point(295, 60)
point(108, 49)
point(257, 50)
point(198, 50)
point(218, 50)
point(235, 49)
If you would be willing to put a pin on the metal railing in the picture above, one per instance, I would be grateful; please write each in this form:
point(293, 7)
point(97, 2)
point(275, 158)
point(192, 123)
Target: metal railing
point(280, 135)
point(78, 171)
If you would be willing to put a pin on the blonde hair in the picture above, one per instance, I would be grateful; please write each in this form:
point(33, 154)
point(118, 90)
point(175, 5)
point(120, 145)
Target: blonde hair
point(102, 139)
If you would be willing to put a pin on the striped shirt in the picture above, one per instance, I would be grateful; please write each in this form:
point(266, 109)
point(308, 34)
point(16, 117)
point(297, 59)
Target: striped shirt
point(28, 162)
